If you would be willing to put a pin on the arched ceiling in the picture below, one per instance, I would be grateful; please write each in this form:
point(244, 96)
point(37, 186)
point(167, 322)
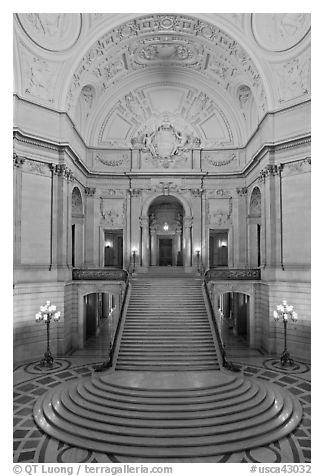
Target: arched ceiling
point(120, 75)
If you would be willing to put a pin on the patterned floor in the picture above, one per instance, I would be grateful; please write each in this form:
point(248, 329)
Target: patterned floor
point(31, 381)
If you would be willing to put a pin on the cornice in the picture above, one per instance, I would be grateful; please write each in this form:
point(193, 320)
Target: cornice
point(61, 147)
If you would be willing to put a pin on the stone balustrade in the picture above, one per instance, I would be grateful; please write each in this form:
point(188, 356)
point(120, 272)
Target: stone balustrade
point(243, 274)
point(99, 274)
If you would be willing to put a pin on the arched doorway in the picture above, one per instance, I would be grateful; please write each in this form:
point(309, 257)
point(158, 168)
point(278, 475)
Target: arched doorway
point(166, 217)
point(254, 228)
point(77, 228)
point(166, 231)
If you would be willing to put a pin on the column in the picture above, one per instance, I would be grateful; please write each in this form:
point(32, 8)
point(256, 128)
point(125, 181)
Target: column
point(153, 246)
point(17, 185)
point(271, 213)
point(240, 227)
point(89, 227)
point(145, 241)
point(187, 224)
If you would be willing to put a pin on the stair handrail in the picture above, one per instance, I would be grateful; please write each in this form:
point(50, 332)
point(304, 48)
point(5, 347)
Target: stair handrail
point(112, 344)
point(226, 364)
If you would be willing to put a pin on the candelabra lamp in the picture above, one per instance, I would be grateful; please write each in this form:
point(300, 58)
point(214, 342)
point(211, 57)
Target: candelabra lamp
point(285, 312)
point(46, 314)
point(198, 260)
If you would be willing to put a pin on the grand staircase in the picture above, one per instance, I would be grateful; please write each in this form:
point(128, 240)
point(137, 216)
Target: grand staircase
point(145, 409)
point(167, 326)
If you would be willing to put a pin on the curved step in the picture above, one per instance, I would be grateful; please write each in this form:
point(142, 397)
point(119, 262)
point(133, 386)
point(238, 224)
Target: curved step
point(128, 414)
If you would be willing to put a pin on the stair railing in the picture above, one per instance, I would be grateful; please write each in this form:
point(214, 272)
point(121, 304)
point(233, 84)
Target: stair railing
point(112, 344)
point(226, 364)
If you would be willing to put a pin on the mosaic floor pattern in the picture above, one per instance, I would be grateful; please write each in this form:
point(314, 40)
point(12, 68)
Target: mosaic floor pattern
point(31, 445)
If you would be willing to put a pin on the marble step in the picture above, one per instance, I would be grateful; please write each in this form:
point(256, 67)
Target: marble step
point(128, 415)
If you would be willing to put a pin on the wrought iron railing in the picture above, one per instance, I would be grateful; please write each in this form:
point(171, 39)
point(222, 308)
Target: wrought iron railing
point(99, 274)
point(226, 364)
point(225, 274)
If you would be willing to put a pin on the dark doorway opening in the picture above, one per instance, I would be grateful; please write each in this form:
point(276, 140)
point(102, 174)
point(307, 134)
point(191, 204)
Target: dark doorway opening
point(113, 253)
point(165, 252)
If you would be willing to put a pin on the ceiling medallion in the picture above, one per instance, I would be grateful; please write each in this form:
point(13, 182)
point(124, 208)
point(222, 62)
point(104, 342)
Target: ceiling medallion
point(278, 32)
point(165, 143)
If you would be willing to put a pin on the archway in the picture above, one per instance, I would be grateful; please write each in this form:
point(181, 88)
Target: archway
point(166, 231)
point(166, 238)
point(254, 228)
point(77, 228)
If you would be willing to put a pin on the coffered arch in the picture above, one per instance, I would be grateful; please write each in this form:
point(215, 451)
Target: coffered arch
point(165, 43)
point(147, 96)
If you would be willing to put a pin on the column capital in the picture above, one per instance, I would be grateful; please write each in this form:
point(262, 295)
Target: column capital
point(89, 191)
point(187, 222)
point(62, 171)
point(269, 170)
point(144, 221)
point(18, 160)
point(242, 191)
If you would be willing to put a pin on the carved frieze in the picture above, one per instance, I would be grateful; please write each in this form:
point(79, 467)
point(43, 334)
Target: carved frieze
point(219, 193)
point(220, 211)
point(36, 167)
point(112, 212)
point(113, 193)
point(297, 167)
point(294, 78)
point(112, 162)
point(39, 77)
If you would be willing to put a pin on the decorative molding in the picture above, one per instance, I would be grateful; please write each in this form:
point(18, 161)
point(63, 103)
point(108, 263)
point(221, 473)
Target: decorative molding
point(220, 163)
point(186, 41)
point(219, 193)
point(112, 162)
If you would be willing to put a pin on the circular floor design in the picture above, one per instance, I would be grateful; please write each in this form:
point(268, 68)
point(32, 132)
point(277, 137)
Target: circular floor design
point(31, 445)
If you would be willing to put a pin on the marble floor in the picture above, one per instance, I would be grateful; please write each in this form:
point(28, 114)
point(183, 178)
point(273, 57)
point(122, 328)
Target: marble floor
point(32, 381)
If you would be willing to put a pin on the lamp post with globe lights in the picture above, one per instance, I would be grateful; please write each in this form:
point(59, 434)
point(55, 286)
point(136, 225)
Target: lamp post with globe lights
point(285, 312)
point(46, 314)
